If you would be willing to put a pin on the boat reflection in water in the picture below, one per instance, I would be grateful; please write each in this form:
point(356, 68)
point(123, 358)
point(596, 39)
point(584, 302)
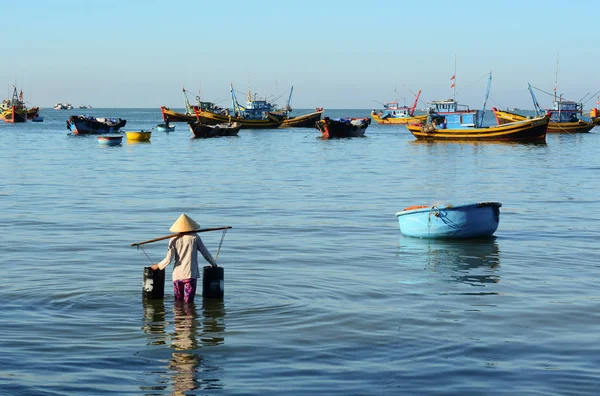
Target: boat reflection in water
point(473, 262)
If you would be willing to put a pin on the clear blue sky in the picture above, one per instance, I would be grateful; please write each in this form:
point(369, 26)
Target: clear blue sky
point(336, 54)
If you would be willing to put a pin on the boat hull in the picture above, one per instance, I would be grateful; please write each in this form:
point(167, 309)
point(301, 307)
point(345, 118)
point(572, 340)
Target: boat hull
point(533, 130)
point(203, 131)
point(580, 126)
point(399, 120)
point(303, 121)
point(14, 115)
point(346, 128)
point(453, 221)
point(173, 116)
point(110, 140)
point(32, 113)
point(82, 125)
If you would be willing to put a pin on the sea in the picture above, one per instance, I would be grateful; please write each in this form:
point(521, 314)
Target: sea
point(323, 295)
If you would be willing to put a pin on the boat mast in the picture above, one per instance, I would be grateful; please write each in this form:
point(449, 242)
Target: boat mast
point(536, 105)
point(411, 111)
point(288, 107)
point(556, 78)
point(188, 107)
point(487, 94)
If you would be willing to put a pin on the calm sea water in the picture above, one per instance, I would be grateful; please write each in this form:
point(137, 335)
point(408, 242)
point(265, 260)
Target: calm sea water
point(323, 295)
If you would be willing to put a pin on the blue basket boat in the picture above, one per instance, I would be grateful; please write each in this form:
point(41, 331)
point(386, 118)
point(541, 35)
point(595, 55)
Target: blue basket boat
point(165, 128)
point(450, 221)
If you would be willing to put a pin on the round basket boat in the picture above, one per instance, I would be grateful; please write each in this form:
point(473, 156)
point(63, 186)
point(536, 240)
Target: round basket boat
point(107, 140)
point(165, 128)
point(138, 136)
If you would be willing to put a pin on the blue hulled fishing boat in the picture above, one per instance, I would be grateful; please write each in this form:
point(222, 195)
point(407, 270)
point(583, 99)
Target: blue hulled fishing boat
point(81, 125)
point(449, 120)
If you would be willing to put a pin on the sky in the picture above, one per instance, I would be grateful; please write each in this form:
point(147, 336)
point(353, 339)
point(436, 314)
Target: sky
point(336, 54)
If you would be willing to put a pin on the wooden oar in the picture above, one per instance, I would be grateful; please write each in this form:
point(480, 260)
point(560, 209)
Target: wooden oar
point(180, 233)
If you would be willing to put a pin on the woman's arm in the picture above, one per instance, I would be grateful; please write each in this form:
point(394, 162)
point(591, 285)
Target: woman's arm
point(167, 260)
point(205, 253)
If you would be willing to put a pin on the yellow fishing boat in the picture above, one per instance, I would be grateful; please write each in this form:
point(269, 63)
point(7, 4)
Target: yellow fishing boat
point(303, 121)
point(566, 116)
point(169, 115)
point(399, 120)
point(392, 113)
point(554, 126)
point(449, 120)
point(530, 130)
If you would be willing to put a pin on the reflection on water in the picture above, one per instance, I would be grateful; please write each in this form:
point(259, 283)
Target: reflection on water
point(187, 369)
point(213, 322)
point(185, 362)
point(471, 261)
point(154, 324)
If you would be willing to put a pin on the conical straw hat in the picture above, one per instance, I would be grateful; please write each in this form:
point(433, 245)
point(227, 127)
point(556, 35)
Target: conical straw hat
point(184, 224)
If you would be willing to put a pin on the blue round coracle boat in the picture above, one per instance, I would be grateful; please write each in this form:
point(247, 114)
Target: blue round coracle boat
point(165, 128)
point(450, 221)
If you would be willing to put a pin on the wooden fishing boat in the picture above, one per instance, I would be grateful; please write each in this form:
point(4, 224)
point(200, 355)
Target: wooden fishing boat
point(209, 131)
point(392, 113)
point(169, 115)
point(532, 130)
point(14, 115)
point(14, 110)
point(207, 118)
point(165, 127)
point(451, 221)
point(449, 120)
point(83, 124)
point(138, 136)
point(342, 127)
point(565, 117)
point(303, 121)
point(110, 140)
point(256, 114)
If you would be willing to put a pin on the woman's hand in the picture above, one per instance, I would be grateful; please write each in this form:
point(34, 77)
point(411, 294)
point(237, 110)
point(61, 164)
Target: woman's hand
point(155, 267)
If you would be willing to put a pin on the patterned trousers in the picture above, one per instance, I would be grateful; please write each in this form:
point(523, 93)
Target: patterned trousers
point(185, 290)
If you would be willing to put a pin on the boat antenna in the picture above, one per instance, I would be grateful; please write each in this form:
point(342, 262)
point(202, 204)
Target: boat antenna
point(454, 80)
point(556, 77)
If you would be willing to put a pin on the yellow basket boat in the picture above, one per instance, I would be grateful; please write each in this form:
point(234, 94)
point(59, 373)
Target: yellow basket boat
point(138, 136)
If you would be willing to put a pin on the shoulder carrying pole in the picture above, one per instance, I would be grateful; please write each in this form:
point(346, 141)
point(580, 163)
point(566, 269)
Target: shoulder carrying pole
point(180, 233)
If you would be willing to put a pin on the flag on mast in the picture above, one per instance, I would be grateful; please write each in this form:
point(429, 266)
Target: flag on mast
point(453, 77)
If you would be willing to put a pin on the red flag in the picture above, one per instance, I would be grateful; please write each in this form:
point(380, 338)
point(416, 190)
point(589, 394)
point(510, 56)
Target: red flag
point(452, 86)
point(453, 77)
